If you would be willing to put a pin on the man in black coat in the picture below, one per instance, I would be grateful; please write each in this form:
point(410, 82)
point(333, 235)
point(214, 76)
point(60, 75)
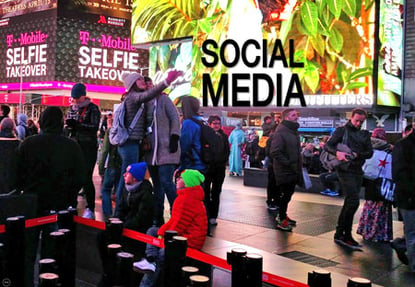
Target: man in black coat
point(286, 157)
point(51, 167)
point(350, 174)
point(403, 171)
point(83, 122)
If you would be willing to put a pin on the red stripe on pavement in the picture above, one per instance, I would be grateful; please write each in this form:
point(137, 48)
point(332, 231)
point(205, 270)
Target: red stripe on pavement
point(2, 228)
point(207, 258)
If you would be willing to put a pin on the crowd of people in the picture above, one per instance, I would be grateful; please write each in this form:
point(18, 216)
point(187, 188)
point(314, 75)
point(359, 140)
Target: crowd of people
point(163, 157)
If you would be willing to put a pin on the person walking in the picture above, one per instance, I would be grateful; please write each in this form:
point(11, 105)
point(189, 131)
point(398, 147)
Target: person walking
point(350, 173)
point(164, 156)
point(83, 122)
point(237, 140)
point(51, 167)
point(403, 170)
point(216, 171)
point(375, 223)
point(285, 151)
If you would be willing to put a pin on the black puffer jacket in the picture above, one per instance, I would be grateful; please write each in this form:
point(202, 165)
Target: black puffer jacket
point(403, 172)
point(286, 153)
point(357, 140)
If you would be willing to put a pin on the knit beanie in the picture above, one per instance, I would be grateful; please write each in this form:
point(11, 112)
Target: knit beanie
point(379, 133)
point(78, 90)
point(129, 79)
point(138, 170)
point(192, 177)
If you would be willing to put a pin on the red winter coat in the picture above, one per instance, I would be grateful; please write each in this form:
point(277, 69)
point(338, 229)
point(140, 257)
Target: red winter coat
point(188, 216)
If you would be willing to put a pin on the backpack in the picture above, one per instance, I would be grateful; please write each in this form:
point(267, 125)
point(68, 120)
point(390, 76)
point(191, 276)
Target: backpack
point(119, 133)
point(213, 149)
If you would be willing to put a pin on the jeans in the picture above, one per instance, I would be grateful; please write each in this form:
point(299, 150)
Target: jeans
point(162, 177)
point(350, 185)
point(129, 153)
point(409, 231)
point(213, 187)
point(111, 179)
point(149, 279)
point(90, 155)
point(286, 190)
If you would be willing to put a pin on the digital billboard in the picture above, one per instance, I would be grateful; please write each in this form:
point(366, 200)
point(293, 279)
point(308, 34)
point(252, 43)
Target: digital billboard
point(28, 45)
point(260, 53)
point(390, 53)
point(11, 8)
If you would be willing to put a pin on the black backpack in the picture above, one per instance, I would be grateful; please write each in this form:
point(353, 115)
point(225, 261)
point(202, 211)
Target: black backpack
point(213, 149)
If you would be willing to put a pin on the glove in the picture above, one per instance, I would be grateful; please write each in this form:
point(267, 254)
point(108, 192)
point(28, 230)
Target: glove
point(174, 143)
point(173, 75)
point(71, 123)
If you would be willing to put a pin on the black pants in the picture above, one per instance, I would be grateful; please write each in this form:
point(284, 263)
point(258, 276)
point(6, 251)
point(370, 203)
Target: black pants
point(273, 192)
point(89, 150)
point(350, 185)
point(286, 190)
point(213, 187)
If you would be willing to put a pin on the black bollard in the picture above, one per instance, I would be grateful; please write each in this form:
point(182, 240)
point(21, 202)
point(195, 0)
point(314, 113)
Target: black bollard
point(47, 265)
point(112, 249)
point(48, 280)
point(187, 271)
point(359, 282)
point(253, 270)
point(15, 251)
point(236, 258)
point(2, 261)
point(169, 234)
point(175, 258)
point(201, 281)
point(114, 228)
point(124, 269)
point(67, 222)
point(319, 278)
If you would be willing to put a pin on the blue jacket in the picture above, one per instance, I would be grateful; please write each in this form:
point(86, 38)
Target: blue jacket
point(190, 146)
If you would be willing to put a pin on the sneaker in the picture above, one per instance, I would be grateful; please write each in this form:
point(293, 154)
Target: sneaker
point(272, 207)
point(327, 191)
point(284, 225)
point(351, 242)
point(88, 214)
point(400, 252)
point(332, 193)
point(213, 221)
point(291, 221)
point(144, 266)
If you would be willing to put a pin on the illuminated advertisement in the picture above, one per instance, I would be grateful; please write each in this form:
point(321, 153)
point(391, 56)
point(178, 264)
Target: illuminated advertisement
point(28, 48)
point(11, 8)
point(390, 52)
point(113, 8)
point(269, 53)
point(44, 51)
point(178, 56)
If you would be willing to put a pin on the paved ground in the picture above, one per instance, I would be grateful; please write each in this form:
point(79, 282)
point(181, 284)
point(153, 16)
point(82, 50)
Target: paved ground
point(244, 220)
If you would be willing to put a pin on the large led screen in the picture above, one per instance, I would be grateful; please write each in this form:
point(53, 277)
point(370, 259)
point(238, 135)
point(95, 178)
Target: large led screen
point(256, 53)
point(390, 52)
point(11, 8)
point(28, 45)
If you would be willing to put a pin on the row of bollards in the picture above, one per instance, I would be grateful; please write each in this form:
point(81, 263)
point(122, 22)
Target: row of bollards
point(246, 268)
point(322, 278)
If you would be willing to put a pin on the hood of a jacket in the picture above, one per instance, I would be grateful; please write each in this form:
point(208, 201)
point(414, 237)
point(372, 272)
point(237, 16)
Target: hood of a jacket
point(195, 192)
point(21, 120)
point(51, 120)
